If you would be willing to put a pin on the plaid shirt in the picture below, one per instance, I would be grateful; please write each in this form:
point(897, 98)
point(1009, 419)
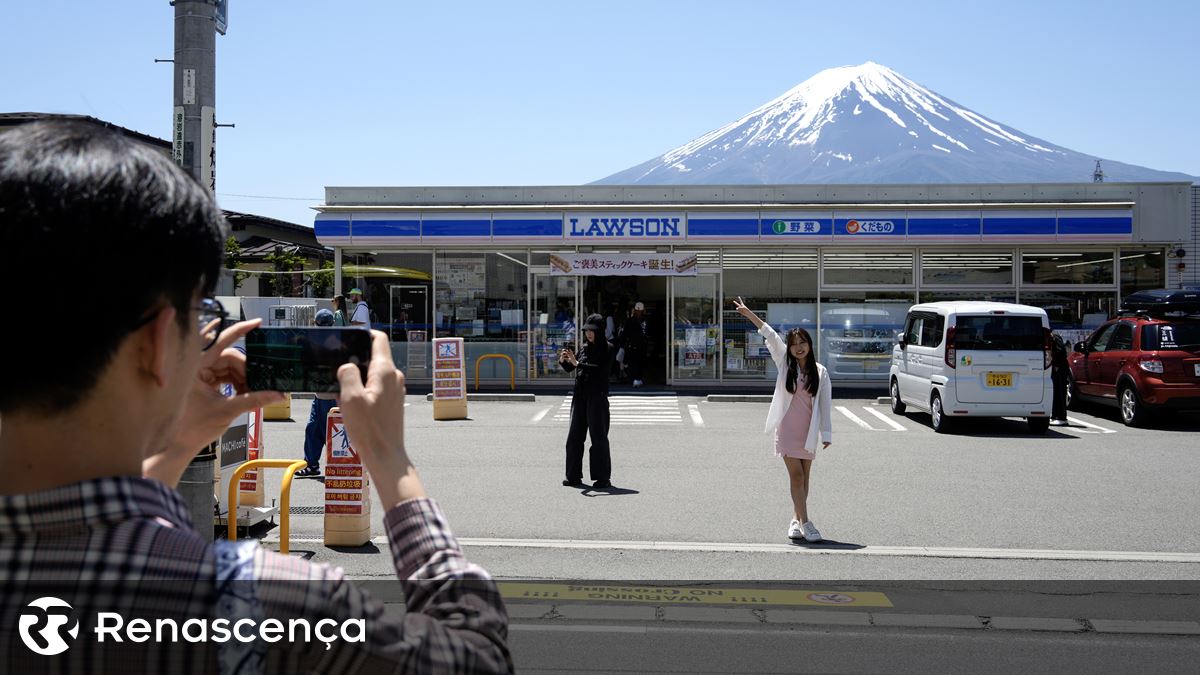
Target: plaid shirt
point(127, 545)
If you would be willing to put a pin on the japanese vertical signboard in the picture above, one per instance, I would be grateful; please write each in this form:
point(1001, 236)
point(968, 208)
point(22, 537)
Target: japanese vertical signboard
point(449, 379)
point(251, 485)
point(347, 500)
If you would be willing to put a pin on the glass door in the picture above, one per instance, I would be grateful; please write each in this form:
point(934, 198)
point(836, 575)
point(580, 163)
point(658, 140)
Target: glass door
point(695, 332)
point(552, 322)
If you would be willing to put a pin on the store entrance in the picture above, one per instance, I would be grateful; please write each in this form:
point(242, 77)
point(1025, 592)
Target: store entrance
point(615, 298)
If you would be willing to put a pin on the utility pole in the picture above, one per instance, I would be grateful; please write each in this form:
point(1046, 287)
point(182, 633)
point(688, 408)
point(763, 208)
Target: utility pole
point(1098, 174)
point(193, 148)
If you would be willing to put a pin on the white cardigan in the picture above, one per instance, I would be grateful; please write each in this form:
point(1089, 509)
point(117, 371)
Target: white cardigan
point(821, 427)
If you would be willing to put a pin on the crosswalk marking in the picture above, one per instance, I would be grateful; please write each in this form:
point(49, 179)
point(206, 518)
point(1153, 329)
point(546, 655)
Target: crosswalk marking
point(633, 410)
point(694, 410)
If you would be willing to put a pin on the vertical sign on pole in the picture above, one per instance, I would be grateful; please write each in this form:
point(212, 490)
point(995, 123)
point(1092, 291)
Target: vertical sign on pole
point(347, 502)
point(251, 486)
point(449, 379)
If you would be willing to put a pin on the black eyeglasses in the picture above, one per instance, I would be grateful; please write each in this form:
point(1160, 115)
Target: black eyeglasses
point(209, 310)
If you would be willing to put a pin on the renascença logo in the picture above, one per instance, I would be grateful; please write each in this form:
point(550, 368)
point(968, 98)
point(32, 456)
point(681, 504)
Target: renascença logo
point(45, 624)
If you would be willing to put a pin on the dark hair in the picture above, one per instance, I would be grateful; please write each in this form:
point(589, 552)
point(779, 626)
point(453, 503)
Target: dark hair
point(105, 229)
point(339, 303)
point(812, 376)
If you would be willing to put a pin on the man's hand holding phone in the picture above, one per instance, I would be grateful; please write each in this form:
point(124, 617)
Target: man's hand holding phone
point(374, 416)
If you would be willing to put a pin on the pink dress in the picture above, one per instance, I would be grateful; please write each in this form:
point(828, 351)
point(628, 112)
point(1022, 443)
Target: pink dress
point(793, 429)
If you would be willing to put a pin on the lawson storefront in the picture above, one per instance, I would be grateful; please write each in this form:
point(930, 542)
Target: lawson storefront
point(513, 271)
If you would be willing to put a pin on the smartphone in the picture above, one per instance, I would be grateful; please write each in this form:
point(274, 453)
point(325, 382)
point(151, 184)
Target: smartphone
point(304, 359)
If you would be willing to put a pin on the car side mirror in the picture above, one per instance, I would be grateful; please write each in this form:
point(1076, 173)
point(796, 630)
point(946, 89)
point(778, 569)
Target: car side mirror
point(900, 341)
point(1080, 347)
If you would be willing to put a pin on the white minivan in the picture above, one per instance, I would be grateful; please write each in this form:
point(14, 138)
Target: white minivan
point(974, 359)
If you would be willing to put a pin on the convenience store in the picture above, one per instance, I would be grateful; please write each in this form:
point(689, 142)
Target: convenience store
point(514, 270)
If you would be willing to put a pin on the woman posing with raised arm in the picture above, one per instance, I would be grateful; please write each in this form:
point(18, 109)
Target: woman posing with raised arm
point(589, 406)
point(800, 412)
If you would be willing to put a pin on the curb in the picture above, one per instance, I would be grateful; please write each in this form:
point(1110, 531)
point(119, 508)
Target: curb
point(545, 614)
point(738, 398)
point(509, 398)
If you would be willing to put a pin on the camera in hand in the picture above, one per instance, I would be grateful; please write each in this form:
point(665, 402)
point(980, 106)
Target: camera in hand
point(304, 359)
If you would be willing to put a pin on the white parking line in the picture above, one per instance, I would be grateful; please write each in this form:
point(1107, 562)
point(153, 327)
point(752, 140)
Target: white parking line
point(696, 418)
point(538, 417)
point(856, 419)
point(887, 420)
point(1089, 424)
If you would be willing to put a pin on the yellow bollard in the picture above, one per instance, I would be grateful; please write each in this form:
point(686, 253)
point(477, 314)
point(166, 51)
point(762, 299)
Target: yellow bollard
point(285, 493)
point(512, 370)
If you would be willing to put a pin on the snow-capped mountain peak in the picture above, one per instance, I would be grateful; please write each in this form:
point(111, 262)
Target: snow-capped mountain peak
point(865, 124)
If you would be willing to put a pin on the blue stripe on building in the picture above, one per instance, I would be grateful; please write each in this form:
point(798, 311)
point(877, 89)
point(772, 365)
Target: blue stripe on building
point(1008, 227)
point(456, 228)
point(323, 227)
point(722, 227)
point(528, 228)
point(1095, 225)
point(386, 228)
point(947, 227)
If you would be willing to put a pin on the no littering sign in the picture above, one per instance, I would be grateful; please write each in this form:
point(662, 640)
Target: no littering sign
point(689, 595)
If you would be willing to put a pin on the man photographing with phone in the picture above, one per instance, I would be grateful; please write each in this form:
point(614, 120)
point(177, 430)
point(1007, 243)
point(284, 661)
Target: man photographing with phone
point(99, 427)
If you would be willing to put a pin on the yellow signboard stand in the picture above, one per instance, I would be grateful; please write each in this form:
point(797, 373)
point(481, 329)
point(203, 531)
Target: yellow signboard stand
point(347, 485)
point(449, 379)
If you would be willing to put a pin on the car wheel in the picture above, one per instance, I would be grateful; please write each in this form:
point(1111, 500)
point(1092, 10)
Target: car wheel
point(898, 406)
point(940, 423)
point(1132, 412)
point(1039, 425)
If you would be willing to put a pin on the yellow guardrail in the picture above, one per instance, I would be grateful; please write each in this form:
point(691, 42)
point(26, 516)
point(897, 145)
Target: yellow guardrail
point(512, 370)
point(291, 466)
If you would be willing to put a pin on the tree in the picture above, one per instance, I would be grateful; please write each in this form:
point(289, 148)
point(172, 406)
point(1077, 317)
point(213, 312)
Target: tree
point(233, 262)
point(284, 261)
point(322, 281)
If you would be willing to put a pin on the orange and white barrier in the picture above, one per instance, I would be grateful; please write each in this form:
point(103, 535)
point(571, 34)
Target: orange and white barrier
point(347, 485)
point(251, 484)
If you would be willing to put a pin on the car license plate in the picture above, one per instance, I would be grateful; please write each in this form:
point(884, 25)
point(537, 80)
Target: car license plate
point(999, 379)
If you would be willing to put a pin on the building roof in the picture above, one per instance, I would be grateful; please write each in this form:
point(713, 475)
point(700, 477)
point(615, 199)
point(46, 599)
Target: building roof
point(257, 248)
point(13, 119)
point(239, 218)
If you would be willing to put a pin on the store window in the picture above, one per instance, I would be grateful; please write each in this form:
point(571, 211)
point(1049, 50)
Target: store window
point(1060, 267)
point(858, 331)
point(966, 269)
point(867, 268)
point(937, 295)
point(481, 297)
point(781, 288)
point(397, 288)
point(1142, 270)
point(1073, 314)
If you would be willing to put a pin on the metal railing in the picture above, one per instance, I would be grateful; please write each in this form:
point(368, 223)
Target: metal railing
point(512, 369)
point(291, 466)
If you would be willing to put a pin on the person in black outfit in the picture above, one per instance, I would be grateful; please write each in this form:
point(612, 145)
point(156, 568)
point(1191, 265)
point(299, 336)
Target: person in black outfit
point(589, 406)
point(1060, 372)
point(635, 339)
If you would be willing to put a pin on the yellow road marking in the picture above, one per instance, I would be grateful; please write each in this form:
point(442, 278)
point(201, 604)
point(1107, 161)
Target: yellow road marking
point(690, 595)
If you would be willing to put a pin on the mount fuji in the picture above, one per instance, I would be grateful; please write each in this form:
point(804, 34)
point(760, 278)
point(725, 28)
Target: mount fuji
point(869, 124)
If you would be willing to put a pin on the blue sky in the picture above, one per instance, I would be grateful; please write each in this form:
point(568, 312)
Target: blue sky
point(555, 93)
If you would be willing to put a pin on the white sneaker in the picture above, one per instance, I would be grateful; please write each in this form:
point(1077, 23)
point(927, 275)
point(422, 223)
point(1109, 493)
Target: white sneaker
point(810, 532)
point(637, 383)
point(1059, 423)
point(795, 531)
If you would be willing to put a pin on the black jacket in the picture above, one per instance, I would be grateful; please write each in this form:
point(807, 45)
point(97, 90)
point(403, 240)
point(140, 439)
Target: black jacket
point(591, 376)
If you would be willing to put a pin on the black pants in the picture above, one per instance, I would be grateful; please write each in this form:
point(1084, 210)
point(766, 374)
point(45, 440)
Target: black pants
point(1058, 410)
point(589, 414)
point(635, 362)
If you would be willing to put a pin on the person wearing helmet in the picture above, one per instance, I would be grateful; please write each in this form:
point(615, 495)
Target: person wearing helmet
point(589, 406)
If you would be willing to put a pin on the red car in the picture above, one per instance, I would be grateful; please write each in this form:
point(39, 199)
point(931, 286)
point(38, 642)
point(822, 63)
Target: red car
point(1145, 360)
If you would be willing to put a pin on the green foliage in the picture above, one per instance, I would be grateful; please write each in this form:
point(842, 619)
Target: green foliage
point(322, 282)
point(282, 285)
point(233, 262)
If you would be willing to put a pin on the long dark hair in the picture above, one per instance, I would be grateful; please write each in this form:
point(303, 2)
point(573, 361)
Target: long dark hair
point(339, 303)
point(812, 378)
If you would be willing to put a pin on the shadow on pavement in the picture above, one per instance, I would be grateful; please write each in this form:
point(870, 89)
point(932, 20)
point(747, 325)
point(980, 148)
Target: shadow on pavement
point(830, 544)
point(368, 548)
point(589, 491)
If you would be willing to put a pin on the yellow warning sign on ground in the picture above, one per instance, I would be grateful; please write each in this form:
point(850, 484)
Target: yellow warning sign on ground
point(689, 595)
